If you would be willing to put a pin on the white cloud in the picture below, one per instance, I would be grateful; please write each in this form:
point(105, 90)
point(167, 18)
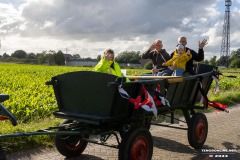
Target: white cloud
point(88, 27)
point(48, 24)
point(8, 10)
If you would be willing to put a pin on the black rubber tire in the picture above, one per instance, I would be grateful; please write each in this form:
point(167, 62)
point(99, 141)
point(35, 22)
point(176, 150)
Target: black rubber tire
point(197, 130)
point(2, 154)
point(70, 145)
point(137, 144)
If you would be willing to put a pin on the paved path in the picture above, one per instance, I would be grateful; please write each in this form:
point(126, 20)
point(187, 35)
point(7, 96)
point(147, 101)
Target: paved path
point(172, 144)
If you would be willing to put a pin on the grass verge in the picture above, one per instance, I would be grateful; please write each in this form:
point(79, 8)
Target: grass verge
point(20, 143)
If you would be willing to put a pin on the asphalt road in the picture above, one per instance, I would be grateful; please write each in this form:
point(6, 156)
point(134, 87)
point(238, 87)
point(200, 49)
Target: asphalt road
point(223, 142)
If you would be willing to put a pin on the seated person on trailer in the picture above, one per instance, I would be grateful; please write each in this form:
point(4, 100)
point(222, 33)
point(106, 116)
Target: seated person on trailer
point(179, 60)
point(196, 56)
point(108, 65)
point(158, 55)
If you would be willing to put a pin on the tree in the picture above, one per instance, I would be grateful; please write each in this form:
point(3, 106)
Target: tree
point(50, 57)
point(213, 61)
point(223, 61)
point(128, 57)
point(31, 56)
point(235, 63)
point(5, 55)
point(41, 58)
point(46, 57)
point(206, 61)
point(59, 58)
point(88, 59)
point(235, 55)
point(99, 57)
point(19, 54)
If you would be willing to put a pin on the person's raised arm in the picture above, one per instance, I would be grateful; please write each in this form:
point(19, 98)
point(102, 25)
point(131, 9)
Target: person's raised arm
point(202, 44)
point(200, 55)
point(147, 54)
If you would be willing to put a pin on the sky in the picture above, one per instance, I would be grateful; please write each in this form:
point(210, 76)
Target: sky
point(87, 27)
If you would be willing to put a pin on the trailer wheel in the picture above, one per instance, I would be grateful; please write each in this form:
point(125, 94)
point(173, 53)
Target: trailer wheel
point(197, 130)
point(137, 144)
point(70, 145)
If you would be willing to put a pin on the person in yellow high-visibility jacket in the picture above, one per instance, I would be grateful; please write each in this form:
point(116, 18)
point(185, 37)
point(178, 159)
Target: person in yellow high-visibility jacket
point(179, 60)
point(108, 65)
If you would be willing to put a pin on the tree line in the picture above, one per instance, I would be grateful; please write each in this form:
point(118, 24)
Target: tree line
point(46, 57)
point(57, 58)
point(231, 61)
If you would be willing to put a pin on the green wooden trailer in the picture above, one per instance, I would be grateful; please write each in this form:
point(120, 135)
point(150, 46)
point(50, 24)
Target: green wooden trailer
point(90, 104)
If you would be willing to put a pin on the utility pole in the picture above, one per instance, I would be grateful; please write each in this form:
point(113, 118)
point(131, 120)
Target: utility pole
point(225, 47)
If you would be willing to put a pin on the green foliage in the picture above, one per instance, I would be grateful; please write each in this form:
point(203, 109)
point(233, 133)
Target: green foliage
point(223, 61)
point(229, 87)
point(19, 54)
point(128, 57)
point(59, 58)
point(30, 98)
point(31, 56)
point(5, 55)
point(206, 61)
point(231, 61)
point(99, 57)
point(148, 65)
point(136, 71)
point(235, 54)
point(213, 61)
point(17, 144)
point(235, 63)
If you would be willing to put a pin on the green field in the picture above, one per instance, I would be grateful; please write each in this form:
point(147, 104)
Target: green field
point(30, 99)
point(33, 102)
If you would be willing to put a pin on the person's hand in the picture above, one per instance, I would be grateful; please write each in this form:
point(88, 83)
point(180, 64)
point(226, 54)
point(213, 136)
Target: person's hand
point(172, 67)
point(188, 52)
point(109, 57)
point(154, 70)
point(152, 47)
point(202, 43)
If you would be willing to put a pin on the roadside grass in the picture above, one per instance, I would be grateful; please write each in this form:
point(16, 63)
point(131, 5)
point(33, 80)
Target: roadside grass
point(228, 97)
point(20, 143)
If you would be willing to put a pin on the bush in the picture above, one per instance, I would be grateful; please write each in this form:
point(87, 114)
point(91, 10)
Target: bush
point(235, 63)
